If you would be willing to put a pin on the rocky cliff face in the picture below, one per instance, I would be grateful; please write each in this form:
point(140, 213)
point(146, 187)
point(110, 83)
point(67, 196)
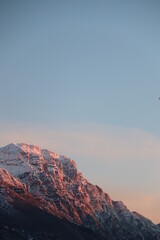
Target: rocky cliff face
point(51, 183)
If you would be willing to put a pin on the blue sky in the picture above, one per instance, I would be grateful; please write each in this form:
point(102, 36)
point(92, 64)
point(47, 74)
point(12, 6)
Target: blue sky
point(74, 72)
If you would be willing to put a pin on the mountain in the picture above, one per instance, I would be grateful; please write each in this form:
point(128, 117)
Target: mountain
point(44, 196)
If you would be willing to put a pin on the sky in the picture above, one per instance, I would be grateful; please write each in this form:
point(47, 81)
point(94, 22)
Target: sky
point(81, 77)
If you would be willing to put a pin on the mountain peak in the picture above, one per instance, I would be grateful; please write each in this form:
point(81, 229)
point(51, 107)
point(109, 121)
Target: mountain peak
point(10, 147)
point(53, 182)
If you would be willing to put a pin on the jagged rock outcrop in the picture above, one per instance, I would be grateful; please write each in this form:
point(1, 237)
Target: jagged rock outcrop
point(51, 182)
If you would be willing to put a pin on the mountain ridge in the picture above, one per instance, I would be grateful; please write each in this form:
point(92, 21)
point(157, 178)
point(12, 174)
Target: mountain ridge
point(58, 188)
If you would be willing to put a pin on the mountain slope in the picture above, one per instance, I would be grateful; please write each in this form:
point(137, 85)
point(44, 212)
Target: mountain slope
point(48, 182)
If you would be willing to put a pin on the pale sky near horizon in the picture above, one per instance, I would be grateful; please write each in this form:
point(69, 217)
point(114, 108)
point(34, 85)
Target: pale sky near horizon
point(82, 78)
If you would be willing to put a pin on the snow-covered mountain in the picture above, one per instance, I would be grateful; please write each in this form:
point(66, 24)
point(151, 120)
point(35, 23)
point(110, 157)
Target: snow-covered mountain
point(41, 179)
